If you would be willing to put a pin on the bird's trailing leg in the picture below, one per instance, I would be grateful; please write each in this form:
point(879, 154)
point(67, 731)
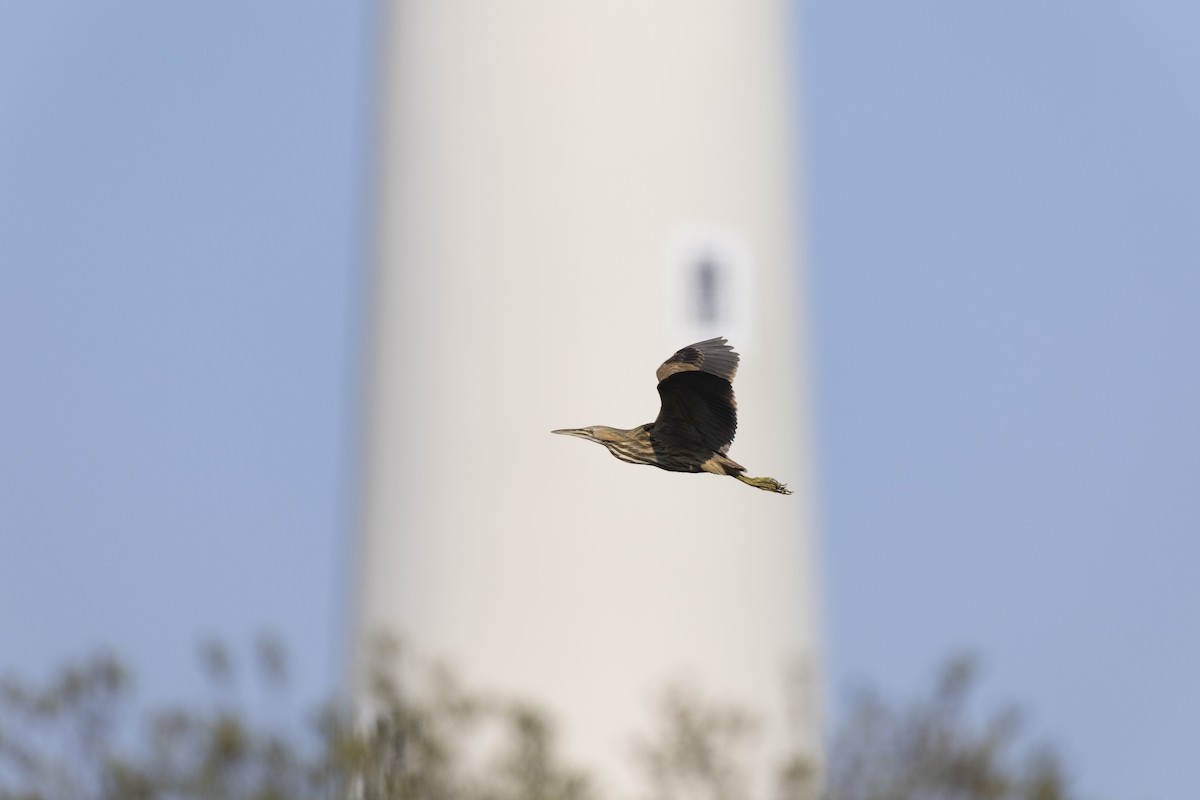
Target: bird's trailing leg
point(766, 484)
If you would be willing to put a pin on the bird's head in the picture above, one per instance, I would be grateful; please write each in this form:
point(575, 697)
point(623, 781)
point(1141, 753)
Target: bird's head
point(628, 445)
point(600, 434)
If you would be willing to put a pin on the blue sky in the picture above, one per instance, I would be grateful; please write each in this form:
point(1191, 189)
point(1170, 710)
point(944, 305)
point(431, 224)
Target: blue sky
point(1003, 280)
point(1005, 287)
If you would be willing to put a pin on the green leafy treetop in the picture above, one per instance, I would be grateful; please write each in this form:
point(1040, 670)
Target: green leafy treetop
point(427, 737)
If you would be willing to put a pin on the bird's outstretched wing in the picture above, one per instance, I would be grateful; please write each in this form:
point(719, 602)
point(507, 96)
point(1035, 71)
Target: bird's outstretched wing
point(714, 356)
point(698, 407)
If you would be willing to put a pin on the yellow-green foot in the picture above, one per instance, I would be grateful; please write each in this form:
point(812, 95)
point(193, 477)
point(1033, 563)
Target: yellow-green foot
point(766, 484)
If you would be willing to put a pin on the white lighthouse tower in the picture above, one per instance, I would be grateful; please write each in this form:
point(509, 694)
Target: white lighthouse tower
point(569, 192)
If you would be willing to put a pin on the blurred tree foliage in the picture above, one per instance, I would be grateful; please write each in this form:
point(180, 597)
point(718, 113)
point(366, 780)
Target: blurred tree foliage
point(699, 750)
point(934, 749)
point(429, 738)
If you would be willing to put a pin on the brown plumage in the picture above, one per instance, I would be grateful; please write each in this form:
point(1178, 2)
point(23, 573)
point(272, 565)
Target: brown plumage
point(696, 423)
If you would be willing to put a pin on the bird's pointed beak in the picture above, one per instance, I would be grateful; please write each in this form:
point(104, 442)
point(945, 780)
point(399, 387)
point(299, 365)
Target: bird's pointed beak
point(580, 432)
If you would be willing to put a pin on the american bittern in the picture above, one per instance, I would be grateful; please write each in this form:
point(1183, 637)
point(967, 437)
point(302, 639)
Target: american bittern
point(696, 423)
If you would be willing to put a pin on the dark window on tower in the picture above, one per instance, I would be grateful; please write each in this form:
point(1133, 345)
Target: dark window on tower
point(707, 279)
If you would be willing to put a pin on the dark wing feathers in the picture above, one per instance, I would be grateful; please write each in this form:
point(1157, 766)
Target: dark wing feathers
point(714, 356)
point(698, 406)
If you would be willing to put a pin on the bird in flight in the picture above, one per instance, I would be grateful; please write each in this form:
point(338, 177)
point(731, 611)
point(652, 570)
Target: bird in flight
point(696, 423)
